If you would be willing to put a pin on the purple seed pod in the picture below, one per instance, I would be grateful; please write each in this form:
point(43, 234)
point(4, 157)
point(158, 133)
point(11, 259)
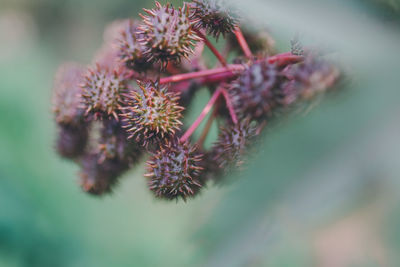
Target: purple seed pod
point(174, 171)
point(313, 76)
point(99, 177)
point(151, 113)
point(215, 16)
point(233, 143)
point(72, 140)
point(67, 96)
point(115, 145)
point(167, 34)
point(102, 91)
point(256, 93)
point(130, 50)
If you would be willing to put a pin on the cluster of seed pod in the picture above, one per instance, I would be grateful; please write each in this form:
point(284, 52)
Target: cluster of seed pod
point(131, 100)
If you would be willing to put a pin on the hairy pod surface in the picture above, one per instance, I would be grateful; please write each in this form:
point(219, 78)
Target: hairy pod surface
point(115, 145)
point(256, 93)
point(167, 34)
point(313, 76)
point(67, 95)
point(233, 143)
point(174, 171)
point(214, 16)
point(130, 50)
point(72, 140)
point(151, 113)
point(98, 177)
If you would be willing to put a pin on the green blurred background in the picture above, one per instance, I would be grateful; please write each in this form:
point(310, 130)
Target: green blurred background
point(323, 189)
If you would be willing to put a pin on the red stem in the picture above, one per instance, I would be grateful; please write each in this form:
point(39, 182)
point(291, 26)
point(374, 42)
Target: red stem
point(207, 128)
point(203, 73)
point(202, 115)
point(284, 59)
point(229, 72)
point(220, 58)
point(229, 105)
point(243, 43)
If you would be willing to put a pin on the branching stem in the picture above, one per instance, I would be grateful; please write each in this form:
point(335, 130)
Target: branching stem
point(214, 50)
point(202, 115)
point(229, 105)
point(207, 128)
point(230, 71)
point(243, 43)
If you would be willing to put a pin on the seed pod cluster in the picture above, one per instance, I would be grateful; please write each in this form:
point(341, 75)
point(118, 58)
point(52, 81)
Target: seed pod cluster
point(133, 102)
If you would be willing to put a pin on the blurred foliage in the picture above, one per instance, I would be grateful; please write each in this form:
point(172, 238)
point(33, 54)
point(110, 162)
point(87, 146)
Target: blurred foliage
point(314, 171)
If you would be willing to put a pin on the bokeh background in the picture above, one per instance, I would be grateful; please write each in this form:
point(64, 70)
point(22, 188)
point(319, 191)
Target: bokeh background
point(322, 190)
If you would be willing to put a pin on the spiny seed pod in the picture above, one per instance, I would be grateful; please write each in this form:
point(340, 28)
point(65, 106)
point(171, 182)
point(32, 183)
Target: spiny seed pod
point(174, 171)
point(151, 113)
point(256, 92)
point(67, 95)
point(213, 15)
point(72, 140)
point(114, 144)
point(98, 177)
point(131, 51)
point(313, 76)
point(102, 91)
point(233, 143)
point(167, 34)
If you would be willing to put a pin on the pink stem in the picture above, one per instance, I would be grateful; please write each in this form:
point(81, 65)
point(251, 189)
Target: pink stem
point(284, 59)
point(202, 115)
point(229, 105)
point(207, 128)
point(203, 73)
point(243, 43)
point(220, 58)
point(228, 72)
